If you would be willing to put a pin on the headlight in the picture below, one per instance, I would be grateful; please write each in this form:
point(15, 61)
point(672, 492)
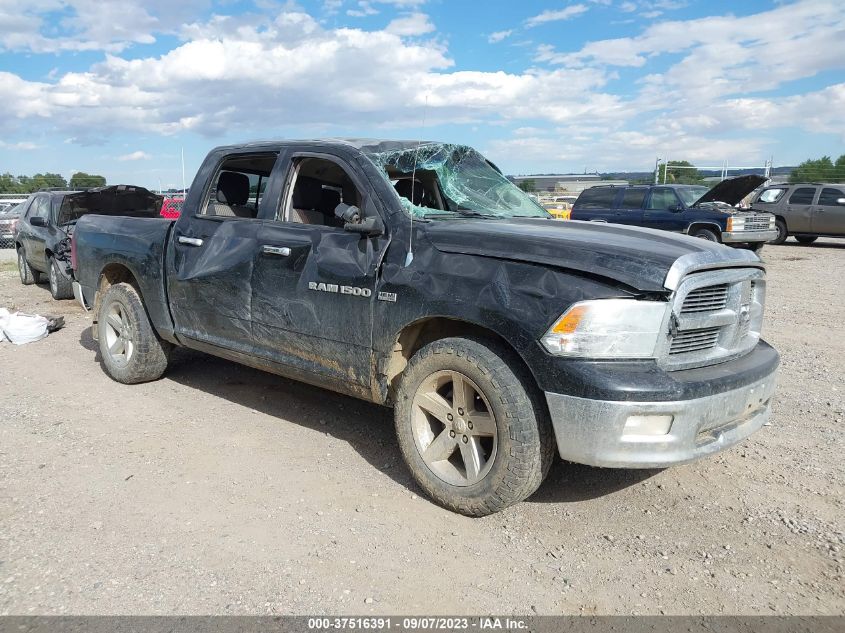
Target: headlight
point(736, 224)
point(607, 328)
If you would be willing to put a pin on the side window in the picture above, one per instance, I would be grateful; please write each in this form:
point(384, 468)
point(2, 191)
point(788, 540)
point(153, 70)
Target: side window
point(831, 197)
point(318, 186)
point(238, 185)
point(597, 198)
point(40, 207)
point(633, 199)
point(662, 199)
point(802, 195)
point(770, 196)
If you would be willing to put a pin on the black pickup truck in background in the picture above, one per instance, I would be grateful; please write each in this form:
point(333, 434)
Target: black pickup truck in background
point(692, 209)
point(415, 275)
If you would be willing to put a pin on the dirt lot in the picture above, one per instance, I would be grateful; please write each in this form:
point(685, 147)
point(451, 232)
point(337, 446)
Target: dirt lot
point(221, 489)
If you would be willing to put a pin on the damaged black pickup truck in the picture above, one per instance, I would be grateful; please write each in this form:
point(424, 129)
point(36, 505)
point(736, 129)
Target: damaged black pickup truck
point(415, 275)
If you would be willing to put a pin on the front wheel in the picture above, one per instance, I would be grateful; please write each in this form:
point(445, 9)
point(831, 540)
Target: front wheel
point(60, 286)
point(780, 225)
point(706, 234)
point(131, 350)
point(470, 426)
point(806, 239)
point(28, 276)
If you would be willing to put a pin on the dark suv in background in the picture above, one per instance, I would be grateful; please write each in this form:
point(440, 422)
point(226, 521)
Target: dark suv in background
point(691, 209)
point(805, 210)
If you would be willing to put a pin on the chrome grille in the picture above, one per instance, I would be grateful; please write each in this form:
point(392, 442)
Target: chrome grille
point(706, 299)
point(716, 316)
point(758, 223)
point(694, 340)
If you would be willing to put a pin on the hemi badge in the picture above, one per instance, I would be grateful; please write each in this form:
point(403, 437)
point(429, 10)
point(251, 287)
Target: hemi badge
point(387, 296)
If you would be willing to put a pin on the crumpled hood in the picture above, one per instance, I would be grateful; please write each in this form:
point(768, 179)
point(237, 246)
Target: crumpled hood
point(732, 190)
point(637, 257)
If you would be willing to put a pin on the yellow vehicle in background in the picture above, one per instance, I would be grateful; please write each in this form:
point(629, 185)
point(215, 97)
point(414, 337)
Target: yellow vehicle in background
point(561, 207)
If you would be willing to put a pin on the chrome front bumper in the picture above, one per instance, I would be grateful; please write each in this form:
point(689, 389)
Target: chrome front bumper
point(746, 237)
point(593, 431)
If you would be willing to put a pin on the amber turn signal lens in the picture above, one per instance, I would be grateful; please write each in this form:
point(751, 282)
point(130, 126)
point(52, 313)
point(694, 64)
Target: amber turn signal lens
point(569, 323)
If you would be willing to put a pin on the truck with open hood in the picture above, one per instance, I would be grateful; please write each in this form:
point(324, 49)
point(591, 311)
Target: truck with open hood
point(415, 275)
point(710, 214)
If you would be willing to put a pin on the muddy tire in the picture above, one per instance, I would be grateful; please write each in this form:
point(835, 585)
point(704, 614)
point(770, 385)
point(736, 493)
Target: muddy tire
point(806, 239)
point(131, 350)
point(706, 234)
point(28, 276)
point(60, 286)
point(783, 233)
point(472, 427)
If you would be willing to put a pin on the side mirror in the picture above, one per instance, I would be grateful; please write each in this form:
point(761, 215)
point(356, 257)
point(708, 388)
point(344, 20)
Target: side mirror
point(371, 226)
point(676, 208)
point(38, 221)
point(840, 201)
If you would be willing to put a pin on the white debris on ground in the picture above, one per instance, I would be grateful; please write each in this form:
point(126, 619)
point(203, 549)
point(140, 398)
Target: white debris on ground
point(20, 328)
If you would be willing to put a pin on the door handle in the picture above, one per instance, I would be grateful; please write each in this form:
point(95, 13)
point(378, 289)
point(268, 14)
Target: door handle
point(284, 251)
point(190, 241)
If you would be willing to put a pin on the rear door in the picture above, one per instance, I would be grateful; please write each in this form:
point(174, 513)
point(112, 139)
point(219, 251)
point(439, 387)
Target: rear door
point(630, 208)
point(314, 282)
point(828, 215)
point(798, 209)
point(664, 210)
point(213, 249)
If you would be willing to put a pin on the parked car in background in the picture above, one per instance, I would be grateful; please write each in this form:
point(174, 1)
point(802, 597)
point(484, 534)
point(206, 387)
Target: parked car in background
point(804, 210)
point(560, 207)
point(42, 234)
point(691, 209)
point(8, 221)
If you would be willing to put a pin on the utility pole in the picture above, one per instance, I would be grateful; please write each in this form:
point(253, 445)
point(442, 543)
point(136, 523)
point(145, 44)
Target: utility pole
point(656, 169)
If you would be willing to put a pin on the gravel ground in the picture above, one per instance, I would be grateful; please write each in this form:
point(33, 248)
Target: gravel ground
point(224, 490)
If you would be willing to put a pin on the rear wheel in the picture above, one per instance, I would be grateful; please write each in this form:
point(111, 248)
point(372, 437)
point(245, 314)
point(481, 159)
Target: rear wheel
point(806, 239)
point(60, 286)
point(706, 234)
point(131, 350)
point(780, 225)
point(28, 276)
point(471, 427)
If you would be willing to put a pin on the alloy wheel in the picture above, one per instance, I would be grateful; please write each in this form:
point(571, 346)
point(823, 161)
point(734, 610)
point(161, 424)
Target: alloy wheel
point(120, 340)
point(454, 428)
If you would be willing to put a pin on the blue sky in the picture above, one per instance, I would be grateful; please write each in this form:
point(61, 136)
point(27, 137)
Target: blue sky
point(120, 87)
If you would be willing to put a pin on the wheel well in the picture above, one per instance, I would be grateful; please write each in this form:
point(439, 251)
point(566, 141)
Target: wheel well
point(783, 219)
point(420, 333)
point(109, 276)
point(704, 225)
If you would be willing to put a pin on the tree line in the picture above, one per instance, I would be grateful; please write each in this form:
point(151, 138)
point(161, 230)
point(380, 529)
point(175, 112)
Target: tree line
point(29, 184)
point(820, 170)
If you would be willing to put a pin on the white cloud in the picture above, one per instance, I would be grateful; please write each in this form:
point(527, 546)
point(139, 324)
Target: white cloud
point(498, 36)
point(410, 25)
point(21, 146)
point(364, 9)
point(550, 15)
point(139, 155)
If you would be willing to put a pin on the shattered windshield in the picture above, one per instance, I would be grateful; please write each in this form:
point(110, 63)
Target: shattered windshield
point(690, 194)
point(439, 180)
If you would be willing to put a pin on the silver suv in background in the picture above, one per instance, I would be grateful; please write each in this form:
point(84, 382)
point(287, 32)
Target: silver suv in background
point(804, 210)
